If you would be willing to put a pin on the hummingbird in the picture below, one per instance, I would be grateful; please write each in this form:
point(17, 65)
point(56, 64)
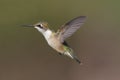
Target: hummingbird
point(56, 40)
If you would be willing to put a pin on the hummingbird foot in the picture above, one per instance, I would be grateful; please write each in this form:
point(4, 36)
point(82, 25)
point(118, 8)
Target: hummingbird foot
point(60, 54)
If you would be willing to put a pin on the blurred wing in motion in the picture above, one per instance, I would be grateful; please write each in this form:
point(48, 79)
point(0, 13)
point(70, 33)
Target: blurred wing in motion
point(70, 27)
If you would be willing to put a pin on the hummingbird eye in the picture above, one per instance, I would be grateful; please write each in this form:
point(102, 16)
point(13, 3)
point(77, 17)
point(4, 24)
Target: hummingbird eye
point(39, 26)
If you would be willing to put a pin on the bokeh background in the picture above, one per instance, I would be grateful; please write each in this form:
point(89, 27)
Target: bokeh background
point(25, 55)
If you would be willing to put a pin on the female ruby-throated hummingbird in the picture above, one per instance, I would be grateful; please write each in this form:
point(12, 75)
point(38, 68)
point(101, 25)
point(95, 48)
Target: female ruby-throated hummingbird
point(57, 39)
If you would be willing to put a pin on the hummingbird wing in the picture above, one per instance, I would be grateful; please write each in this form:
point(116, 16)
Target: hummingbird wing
point(70, 27)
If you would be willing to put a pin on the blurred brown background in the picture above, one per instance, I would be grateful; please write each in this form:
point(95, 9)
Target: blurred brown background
point(25, 55)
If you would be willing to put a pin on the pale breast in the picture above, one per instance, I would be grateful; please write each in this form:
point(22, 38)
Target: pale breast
point(53, 41)
point(55, 44)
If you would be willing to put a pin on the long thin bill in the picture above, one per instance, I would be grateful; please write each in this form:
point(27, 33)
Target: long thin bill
point(27, 25)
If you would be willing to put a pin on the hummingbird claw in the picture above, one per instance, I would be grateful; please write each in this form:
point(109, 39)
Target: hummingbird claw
point(60, 54)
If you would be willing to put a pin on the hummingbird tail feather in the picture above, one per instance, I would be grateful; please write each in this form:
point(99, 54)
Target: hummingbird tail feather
point(77, 60)
point(71, 55)
point(69, 52)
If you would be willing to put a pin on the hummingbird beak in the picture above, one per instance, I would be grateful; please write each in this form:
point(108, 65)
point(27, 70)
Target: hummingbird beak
point(27, 25)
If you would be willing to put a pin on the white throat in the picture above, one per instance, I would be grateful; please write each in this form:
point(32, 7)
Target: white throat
point(46, 33)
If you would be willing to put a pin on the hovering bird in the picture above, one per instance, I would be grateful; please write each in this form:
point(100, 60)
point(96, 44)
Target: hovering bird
point(57, 39)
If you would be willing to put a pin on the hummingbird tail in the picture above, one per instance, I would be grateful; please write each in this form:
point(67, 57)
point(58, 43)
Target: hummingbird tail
point(71, 55)
point(77, 60)
point(69, 52)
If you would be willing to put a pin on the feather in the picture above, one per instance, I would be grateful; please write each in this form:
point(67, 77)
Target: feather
point(70, 27)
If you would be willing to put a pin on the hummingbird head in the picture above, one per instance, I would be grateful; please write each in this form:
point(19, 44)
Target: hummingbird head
point(41, 26)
